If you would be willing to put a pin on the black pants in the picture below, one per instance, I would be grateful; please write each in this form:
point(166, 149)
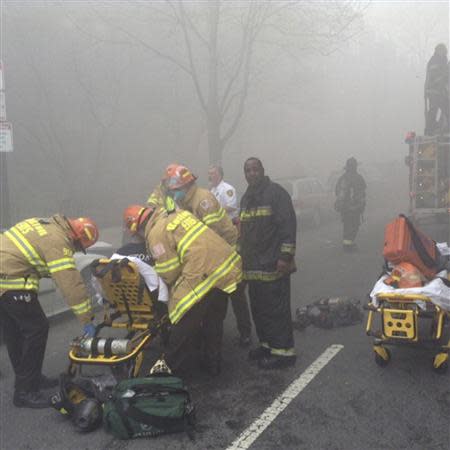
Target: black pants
point(241, 311)
point(271, 310)
point(351, 221)
point(212, 325)
point(25, 330)
point(206, 318)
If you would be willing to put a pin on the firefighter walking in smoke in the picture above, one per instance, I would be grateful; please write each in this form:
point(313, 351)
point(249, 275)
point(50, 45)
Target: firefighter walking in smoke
point(200, 269)
point(267, 245)
point(350, 202)
point(30, 250)
point(437, 92)
point(226, 196)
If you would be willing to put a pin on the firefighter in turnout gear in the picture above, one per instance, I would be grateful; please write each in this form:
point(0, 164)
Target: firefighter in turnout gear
point(437, 93)
point(199, 268)
point(30, 250)
point(181, 186)
point(226, 196)
point(267, 245)
point(350, 202)
point(159, 198)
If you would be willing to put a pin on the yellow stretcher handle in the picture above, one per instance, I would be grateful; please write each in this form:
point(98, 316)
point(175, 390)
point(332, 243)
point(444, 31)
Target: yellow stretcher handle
point(403, 297)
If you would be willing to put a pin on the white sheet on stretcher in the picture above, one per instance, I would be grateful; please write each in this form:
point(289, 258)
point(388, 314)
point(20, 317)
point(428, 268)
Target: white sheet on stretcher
point(443, 248)
point(436, 290)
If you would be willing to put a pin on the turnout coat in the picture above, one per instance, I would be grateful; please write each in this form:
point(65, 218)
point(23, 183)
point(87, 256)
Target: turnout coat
point(42, 248)
point(191, 258)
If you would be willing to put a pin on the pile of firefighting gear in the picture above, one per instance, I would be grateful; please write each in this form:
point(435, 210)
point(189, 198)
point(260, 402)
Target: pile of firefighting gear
point(134, 407)
point(81, 399)
point(329, 313)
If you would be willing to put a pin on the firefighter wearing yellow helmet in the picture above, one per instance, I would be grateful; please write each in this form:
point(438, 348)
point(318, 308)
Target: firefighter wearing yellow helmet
point(30, 250)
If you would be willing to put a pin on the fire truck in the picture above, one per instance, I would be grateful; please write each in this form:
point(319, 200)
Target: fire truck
point(429, 184)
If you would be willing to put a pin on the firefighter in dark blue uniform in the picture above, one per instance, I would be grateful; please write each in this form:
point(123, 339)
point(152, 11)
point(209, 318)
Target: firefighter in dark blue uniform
point(350, 202)
point(437, 92)
point(267, 245)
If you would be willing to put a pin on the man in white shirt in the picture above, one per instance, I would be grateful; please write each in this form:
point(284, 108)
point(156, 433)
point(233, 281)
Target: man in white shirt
point(224, 192)
point(226, 196)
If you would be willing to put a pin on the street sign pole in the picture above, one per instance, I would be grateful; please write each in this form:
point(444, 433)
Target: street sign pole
point(5, 214)
point(6, 146)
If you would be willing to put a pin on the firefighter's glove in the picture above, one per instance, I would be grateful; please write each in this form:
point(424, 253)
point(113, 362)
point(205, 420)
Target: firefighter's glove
point(89, 330)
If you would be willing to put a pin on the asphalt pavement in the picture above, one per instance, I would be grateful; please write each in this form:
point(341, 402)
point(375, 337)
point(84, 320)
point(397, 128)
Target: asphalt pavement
point(338, 401)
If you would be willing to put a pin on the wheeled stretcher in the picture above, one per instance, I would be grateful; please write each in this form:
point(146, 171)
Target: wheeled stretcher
point(403, 321)
point(129, 307)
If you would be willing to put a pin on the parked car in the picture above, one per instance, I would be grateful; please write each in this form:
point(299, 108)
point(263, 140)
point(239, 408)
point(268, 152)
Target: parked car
point(310, 199)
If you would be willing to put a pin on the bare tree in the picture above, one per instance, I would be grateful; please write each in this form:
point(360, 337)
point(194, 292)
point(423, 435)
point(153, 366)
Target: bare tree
point(223, 46)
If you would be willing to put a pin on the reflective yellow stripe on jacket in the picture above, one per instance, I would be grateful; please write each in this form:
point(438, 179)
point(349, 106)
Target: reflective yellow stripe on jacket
point(30, 283)
point(57, 265)
point(249, 214)
point(203, 288)
point(283, 351)
point(167, 266)
point(233, 286)
point(192, 234)
point(287, 248)
point(82, 308)
point(215, 217)
point(153, 198)
point(259, 275)
point(27, 250)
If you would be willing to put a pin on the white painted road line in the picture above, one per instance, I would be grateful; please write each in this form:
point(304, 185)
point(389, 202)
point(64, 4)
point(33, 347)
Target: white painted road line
point(248, 436)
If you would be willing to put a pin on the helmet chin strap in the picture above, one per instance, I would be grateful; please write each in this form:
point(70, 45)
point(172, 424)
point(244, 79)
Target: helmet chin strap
point(78, 246)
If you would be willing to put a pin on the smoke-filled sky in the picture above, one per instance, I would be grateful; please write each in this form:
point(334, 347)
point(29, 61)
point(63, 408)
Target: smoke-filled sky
point(103, 95)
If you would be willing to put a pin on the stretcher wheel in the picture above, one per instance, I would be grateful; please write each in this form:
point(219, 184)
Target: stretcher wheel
point(382, 356)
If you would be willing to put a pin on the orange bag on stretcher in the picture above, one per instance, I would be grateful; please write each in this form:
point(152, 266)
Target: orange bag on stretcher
point(404, 243)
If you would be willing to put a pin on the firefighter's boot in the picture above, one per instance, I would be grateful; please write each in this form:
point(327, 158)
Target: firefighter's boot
point(276, 362)
point(30, 399)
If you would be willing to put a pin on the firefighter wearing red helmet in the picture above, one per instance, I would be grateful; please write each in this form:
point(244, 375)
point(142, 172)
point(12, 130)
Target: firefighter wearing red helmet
point(181, 186)
point(30, 250)
point(199, 268)
point(178, 183)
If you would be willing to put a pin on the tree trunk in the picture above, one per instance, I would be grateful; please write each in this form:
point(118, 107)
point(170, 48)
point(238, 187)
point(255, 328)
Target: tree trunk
point(213, 118)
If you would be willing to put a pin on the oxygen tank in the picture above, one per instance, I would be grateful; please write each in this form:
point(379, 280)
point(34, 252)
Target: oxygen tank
point(103, 346)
